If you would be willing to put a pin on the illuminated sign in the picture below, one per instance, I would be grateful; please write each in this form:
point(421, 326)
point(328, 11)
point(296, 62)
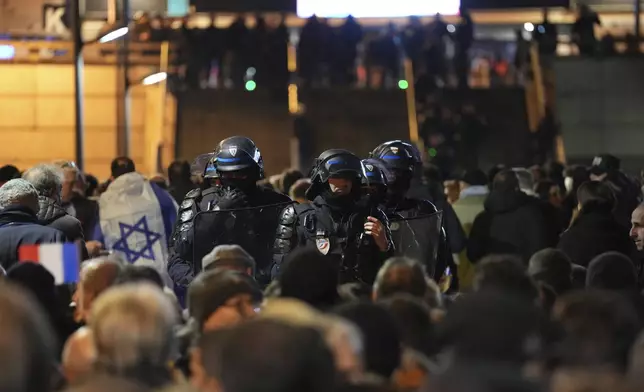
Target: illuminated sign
point(375, 9)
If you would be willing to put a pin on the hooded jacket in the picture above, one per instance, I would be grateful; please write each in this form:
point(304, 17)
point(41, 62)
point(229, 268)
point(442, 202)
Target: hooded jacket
point(512, 223)
point(595, 231)
point(52, 214)
point(19, 226)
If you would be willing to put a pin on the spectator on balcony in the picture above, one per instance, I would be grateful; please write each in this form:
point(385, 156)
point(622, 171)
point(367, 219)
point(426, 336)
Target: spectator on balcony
point(583, 30)
point(308, 49)
point(546, 36)
point(414, 40)
point(277, 55)
point(384, 58)
point(236, 37)
point(213, 41)
point(349, 36)
point(255, 49)
point(142, 27)
point(464, 39)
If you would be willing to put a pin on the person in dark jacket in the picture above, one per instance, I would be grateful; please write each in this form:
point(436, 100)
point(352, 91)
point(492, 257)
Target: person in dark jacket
point(41, 284)
point(19, 222)
point(575, 176)
point(179, 178)
point(512, 222)
point(48, 181)
point(594, 230)
point(75, 199)
point(606, 169)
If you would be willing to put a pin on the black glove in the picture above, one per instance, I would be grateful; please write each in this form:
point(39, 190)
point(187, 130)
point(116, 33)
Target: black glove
point(232, 199)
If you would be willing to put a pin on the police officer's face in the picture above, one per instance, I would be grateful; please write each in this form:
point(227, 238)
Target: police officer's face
point(340, 186)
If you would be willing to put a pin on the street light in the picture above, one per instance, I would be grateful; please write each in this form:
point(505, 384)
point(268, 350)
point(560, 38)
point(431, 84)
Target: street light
point(154, 78)
point(114, 34)
point(78, 43)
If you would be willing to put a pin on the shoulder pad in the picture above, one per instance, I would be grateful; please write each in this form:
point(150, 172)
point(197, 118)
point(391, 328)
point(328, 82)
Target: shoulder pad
point(193, 194)
point(187, 204)
point(288, 216)
point(185, 215)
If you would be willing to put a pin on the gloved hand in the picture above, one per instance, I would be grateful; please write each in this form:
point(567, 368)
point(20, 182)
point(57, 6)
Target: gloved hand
point(232, 199)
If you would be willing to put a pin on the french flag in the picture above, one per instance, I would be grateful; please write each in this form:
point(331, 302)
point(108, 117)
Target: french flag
point(61, 260)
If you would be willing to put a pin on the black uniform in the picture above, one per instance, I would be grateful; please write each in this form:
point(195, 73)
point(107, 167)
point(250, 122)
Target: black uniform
point(334, 226)
point(225, 213)
point(413, 222)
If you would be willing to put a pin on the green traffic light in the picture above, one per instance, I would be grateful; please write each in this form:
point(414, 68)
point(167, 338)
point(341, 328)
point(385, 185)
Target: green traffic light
point(403, 84)
point(432, 152)
point(251, 85)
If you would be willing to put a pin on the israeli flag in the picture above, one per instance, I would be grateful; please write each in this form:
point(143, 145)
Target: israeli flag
point(136, 221)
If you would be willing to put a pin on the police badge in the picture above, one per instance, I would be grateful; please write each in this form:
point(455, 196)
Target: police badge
point(394, 150)
point(322, 243)
point(232, 150)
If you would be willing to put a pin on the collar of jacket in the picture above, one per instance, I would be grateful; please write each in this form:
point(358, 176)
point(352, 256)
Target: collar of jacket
point(50, 209)
point(17, 214)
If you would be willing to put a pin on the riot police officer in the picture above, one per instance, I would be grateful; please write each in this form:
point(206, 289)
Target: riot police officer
point(235, 167)
point(401, 159)
point(355, 238)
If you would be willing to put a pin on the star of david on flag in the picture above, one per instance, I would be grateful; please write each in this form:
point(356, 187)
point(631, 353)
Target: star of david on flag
point(136, 252)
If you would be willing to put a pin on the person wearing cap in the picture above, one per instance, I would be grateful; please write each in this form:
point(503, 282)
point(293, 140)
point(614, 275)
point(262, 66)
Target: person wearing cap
point(606, 168)
point(354, 239)
point(231, 257)
point(222, 298)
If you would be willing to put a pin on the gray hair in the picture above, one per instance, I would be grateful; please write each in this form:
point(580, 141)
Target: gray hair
point(19, 192)
point(48, 179)
point(133, 326)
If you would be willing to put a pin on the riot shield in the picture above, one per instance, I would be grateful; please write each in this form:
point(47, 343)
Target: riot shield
point(418, 237)
point(251, 228)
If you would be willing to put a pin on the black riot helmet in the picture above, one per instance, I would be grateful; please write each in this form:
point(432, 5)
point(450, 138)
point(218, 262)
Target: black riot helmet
point(374, 174)
point(236, 154)
point(374, 181)
point(402, 159)
point(399, 155)
point(334, 163)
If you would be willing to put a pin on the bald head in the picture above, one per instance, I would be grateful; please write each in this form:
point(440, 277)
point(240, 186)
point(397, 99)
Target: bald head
point(97, 275)
point(79, 356)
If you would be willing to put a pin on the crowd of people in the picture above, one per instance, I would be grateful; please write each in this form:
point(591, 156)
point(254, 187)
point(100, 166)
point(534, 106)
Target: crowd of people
point(371, 275)
point(327, 55)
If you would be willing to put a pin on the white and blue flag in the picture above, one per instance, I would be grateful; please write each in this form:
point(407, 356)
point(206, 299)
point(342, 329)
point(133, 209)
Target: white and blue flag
point(136, 221)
